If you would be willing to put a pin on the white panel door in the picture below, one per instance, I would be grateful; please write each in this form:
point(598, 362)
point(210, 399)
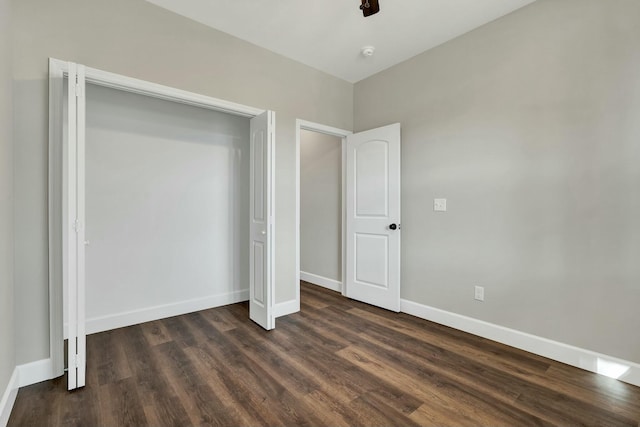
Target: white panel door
point(261, 282)
point(373, 217)
point(73, 230)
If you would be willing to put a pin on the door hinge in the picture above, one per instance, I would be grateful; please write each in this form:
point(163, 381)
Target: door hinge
point(77, 225)
point(74, 361)
point(78, 90)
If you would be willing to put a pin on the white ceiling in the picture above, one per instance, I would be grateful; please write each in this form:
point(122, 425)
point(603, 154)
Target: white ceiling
point(329, 34)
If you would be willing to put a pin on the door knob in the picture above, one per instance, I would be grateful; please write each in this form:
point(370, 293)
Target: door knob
point(393, 227)
point(263, 232)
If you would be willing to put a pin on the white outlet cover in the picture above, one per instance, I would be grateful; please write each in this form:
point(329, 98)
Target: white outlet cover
point(440, 205)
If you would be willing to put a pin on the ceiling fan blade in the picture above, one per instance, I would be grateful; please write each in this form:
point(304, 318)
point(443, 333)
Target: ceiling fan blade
point(369, 7)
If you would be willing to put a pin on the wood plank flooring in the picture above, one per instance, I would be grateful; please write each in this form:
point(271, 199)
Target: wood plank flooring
point(336, 363)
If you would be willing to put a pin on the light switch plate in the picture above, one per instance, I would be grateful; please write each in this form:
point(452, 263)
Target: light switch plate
point(440, 205)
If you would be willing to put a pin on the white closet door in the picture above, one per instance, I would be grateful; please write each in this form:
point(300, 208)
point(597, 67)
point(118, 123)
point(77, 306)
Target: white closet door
point(74, 238)
point(373, 217)
point(261, 282)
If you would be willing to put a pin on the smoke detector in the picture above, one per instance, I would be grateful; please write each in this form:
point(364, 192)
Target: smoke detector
point(367, 51)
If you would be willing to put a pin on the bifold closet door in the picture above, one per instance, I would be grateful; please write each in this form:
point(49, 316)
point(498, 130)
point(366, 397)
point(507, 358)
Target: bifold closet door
point(261, 255)
point(262, 214)
point(73, 226)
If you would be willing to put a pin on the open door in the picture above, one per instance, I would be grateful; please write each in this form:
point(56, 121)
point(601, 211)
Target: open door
point(261, 282)
point(373, 217)
point(73, 228)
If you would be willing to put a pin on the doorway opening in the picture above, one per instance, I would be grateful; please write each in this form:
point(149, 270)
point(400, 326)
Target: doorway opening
point(239, 162)
point(370, 213)
point(320, 205)
point(321, 209)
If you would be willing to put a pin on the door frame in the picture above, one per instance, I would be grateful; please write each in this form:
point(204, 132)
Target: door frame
point(340, 133)
point(58, 69)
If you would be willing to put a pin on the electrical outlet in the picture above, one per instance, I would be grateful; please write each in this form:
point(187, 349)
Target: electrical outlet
point(479, 293)
point(440, 205)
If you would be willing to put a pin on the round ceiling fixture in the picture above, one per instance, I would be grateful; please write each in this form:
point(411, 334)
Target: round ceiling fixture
point(367, 51)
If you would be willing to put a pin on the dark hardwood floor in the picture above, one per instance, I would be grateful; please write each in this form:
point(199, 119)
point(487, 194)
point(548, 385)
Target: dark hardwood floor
point(336, 363)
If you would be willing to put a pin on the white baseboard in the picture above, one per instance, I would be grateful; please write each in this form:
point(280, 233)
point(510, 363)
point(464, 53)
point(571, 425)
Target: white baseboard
point(134, 317)
point(35, 372)
point(581, 358)
point(325, 282)
point(9, 398)
point(287, 307)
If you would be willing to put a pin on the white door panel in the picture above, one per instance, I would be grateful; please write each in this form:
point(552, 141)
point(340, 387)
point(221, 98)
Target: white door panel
point(373, 205)
point(261, 292)
point(371, 187)
point(371, 250)
point(81, 349)
point(73, 230)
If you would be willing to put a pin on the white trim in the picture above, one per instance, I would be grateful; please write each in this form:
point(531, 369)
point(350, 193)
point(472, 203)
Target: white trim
point(328, 130)
point(574, 356)
point(271, 188)
point(148, 314)
point(35, 372)
point(344, 217)
point(325, 282)
point(56, 345)
point(296, 260)
point(143, 87)
point(9, 398)
point(285, 308)
point(317, 127)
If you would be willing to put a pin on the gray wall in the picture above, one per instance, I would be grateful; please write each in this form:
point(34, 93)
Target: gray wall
point(138, 39)
point(527, 125)
point(167, 203)
point(321, 204)
point(7, 349)
point(530, 127)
